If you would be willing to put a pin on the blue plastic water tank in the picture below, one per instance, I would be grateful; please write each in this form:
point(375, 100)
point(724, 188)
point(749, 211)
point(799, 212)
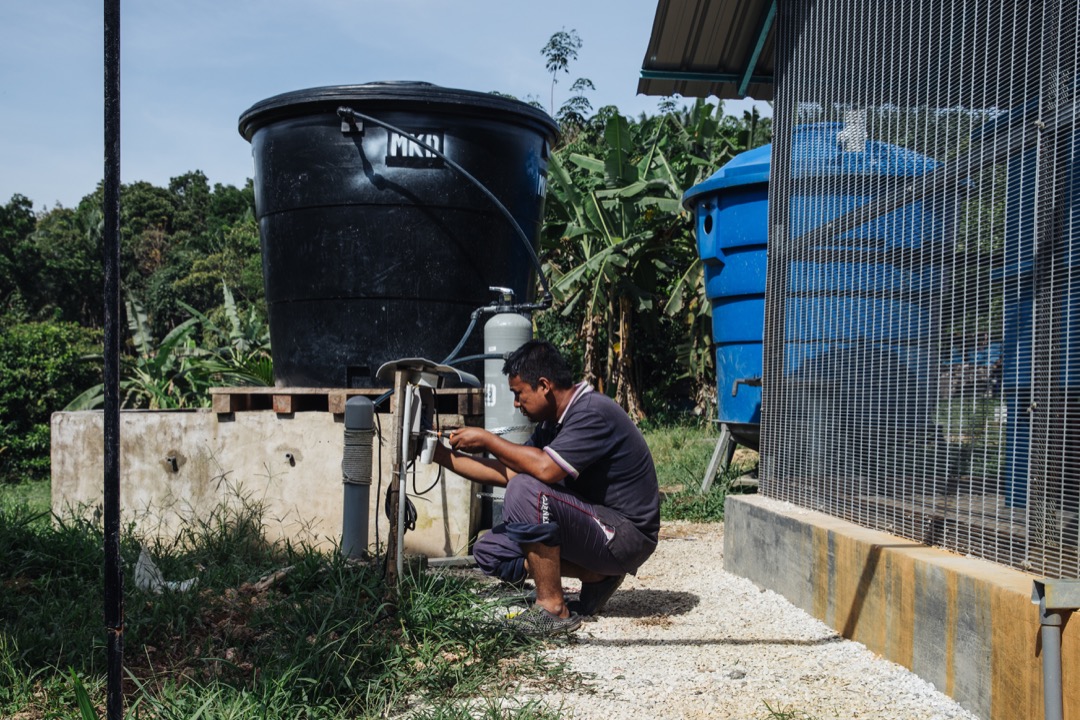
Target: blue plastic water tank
point(868, 297)
point(731, 212)
point(852, 306)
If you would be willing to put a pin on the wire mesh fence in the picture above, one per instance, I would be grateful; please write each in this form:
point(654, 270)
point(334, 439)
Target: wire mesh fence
point(922, 331)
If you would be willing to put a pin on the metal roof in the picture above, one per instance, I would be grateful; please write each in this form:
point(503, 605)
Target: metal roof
point(700, 48)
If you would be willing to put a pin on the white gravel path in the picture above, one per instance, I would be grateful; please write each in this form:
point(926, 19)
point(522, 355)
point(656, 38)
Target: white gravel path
point(685, 639)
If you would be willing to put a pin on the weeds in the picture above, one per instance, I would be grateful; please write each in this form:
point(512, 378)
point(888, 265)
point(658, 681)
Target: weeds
point(271, 630)
point(782, 713)
point(30, 495)
point(690, 504)
point(489, 709)
point(682, 456)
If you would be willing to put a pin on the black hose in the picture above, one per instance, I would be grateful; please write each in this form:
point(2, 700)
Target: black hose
point(344, 112)
point(468, 331)
point(472, 358)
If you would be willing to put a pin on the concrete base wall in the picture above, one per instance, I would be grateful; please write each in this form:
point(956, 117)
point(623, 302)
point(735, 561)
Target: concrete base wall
point(966, 625)
point(289, 463)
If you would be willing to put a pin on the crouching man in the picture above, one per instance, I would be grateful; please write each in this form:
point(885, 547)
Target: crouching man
point(581, 494)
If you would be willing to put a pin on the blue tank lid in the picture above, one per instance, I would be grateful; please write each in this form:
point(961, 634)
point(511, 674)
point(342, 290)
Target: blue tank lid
point(819, 150)
point(746, 168)
point(831, 149)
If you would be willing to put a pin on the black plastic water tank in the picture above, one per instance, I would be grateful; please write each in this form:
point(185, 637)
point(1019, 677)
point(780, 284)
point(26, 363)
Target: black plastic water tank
point(373, 247)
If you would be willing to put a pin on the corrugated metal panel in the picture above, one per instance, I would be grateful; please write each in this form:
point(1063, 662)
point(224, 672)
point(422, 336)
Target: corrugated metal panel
point(713, 40)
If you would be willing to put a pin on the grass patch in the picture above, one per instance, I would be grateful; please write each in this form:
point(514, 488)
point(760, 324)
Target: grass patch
point(34, 494)
point(270, 630)
point(681, 455)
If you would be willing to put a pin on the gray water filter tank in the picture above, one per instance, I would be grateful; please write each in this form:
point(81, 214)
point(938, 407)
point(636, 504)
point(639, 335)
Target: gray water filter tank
point(503, 333)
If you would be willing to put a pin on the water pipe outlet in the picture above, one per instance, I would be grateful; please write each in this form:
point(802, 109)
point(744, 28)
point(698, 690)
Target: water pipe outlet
point(1056, 599)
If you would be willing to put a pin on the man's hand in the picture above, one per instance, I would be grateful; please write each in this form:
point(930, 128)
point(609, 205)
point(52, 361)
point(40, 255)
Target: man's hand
point(470, 439)
point(478, 468)
point(513, 457)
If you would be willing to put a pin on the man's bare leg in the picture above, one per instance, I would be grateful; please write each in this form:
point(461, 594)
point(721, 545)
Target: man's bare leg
point(545, 568)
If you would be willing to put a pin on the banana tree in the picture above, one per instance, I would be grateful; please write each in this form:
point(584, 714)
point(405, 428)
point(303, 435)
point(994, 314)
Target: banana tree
point(604, 262)
point(622, 250)
point(179, 371)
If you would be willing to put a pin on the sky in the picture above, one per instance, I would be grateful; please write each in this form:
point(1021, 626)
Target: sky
point(189, 69)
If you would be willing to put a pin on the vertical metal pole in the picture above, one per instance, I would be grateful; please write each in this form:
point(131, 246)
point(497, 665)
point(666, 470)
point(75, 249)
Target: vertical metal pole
point(1050, 622)
point(405, 410)
point(114, 574)
point(392, 549)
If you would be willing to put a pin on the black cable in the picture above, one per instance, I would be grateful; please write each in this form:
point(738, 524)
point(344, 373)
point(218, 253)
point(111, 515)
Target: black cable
point(410, 510)
point(347, 111)
point(471, 358)
point(468, 331)
point(438, 475)
point(438, 478)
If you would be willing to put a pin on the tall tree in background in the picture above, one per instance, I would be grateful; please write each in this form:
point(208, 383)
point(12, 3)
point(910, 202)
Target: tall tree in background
point(18, 257)
point(561, 50)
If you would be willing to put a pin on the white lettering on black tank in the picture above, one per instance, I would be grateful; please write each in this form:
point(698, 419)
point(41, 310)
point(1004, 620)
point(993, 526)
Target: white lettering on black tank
point(402, 152)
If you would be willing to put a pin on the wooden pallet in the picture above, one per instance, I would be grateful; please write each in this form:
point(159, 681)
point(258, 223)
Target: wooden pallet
point(284, 401)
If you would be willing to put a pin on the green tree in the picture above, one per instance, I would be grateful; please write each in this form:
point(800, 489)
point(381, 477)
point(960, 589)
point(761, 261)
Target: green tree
point(610, 254)
point(561, 49)
point(234, 258)
point(41, 370)
point(18, 257)
point(199, 353)
point(71, 277)
point(193, 204)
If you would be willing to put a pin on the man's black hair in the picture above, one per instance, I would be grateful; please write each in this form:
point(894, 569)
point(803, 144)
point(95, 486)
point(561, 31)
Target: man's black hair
point(536, 359)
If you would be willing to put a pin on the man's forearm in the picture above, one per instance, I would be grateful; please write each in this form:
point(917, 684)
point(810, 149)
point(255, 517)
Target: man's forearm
point(511, 458)
point(486, 471)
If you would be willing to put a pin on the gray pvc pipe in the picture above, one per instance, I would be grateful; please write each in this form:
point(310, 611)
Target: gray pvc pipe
point(356, 466)
point(1053, 704)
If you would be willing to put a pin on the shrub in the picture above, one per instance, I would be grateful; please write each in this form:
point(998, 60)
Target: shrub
point(41, 370)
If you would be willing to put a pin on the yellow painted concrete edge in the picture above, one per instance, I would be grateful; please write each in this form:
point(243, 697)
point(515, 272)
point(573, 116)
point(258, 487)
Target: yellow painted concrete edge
point(886, 607)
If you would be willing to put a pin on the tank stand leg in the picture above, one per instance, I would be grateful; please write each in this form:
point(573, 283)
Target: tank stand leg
point(721, 457)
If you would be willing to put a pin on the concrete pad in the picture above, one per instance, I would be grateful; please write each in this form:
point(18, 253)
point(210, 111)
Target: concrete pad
point(964, 624)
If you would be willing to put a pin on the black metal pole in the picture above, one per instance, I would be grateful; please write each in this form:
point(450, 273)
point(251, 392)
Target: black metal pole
point(114, 572)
